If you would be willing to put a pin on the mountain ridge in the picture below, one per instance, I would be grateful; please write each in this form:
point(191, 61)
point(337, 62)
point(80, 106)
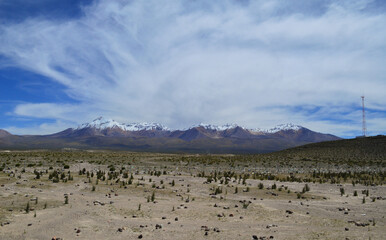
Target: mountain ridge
point(101, 123)
point(4, 133)
point(109, 134)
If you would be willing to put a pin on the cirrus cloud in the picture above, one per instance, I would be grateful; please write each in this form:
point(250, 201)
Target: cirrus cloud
point(182, 62)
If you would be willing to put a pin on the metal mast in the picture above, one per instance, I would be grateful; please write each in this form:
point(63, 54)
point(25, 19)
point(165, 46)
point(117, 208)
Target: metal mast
point(363, 117)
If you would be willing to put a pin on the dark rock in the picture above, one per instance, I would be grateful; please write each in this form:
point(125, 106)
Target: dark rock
point(289, 211)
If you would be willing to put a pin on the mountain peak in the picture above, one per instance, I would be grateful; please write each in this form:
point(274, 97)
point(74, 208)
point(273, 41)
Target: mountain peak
point(285, 127)
point(278, 128)
point(101, 123)
point(4, 133)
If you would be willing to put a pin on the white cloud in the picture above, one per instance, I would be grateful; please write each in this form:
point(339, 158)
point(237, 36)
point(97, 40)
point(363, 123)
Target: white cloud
point(37, 129)
point(180, 63)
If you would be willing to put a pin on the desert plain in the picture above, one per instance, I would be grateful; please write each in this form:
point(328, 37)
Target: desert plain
point(125, 195)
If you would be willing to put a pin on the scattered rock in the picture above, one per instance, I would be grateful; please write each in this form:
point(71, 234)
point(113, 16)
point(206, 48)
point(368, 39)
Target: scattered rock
point(4, 223)
point(205, 228)
point(271, 225)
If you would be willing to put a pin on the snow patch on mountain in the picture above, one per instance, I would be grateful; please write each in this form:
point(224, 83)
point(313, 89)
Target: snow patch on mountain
point(215, 127)
point(284, 127)
point(278, 128)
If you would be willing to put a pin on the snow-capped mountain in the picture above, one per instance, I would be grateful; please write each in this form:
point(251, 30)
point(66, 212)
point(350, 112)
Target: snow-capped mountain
point(285, 127)
point(215, 127)
point(104, 133)
point(103, 124)
point(278, 128)
point(110, 127)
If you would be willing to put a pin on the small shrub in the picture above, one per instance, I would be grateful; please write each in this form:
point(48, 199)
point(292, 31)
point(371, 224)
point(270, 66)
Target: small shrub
point(27, 208)
point(341, 191)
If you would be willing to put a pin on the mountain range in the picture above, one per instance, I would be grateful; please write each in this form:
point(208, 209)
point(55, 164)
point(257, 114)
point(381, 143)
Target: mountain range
point(203, 138)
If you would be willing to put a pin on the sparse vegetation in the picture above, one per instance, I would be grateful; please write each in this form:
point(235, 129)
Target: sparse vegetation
point(176, 180)
point(27, 208)
point(341, 191)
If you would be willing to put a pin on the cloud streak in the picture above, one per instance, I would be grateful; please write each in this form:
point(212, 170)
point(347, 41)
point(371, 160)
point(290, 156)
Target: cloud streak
point(179, 63)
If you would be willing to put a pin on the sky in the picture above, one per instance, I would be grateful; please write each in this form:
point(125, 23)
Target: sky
point(179, 63)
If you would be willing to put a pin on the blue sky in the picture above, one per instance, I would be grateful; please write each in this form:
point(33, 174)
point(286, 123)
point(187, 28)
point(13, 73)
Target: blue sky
point(179, 63)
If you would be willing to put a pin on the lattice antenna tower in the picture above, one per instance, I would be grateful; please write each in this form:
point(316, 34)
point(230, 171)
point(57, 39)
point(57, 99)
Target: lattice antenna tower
point(364, 130)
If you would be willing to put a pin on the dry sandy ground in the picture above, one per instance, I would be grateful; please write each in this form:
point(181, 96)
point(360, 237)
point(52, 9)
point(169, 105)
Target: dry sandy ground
point(316, 217)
